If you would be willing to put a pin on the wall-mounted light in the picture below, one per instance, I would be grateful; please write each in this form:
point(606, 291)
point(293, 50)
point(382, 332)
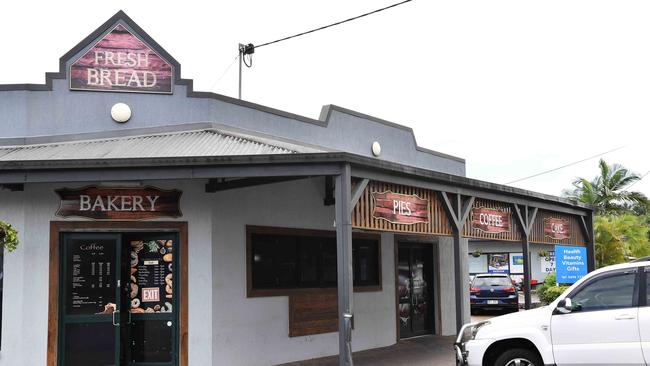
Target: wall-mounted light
point(376, 148)
point(121, 112)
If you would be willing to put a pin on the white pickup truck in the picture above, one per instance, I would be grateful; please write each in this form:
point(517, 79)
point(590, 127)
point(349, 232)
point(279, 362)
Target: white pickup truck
point(603, 319)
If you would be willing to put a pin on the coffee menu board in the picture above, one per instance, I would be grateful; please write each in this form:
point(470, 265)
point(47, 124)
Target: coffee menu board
point(90, 276)
point(151, 281)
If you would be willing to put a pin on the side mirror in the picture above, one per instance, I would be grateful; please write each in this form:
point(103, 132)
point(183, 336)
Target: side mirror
point(565, 306)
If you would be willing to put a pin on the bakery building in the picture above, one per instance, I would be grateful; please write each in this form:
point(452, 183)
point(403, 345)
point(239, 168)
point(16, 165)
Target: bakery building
point(163, 225)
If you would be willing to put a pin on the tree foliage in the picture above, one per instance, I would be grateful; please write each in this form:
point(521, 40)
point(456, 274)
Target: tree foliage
point(619, 237)
point(8, 236)
point(607, 191)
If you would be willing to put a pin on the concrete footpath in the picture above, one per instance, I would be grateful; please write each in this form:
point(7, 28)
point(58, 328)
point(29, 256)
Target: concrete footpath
point(420, 351)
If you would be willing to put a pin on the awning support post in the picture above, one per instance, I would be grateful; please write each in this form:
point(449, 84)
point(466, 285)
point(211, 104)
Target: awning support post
point(526, 218)
point(342, 190)
point(588, 231)
point(457, 210)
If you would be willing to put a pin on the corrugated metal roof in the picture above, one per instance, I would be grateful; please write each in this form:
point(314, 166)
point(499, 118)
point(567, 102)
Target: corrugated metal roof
point(187, 143)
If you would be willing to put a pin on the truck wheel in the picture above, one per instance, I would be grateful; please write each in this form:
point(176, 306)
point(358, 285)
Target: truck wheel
point(519, 357)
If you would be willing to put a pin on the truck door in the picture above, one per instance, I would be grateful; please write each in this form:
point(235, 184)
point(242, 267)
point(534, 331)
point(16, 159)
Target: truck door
point(602, 328)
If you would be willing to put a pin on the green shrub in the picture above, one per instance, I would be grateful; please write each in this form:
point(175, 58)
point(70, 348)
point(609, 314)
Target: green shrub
point(552, 293)
point(549, 291)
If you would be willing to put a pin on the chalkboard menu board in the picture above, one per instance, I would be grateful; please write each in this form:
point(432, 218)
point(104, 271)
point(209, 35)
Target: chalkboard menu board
point(151, 281)
point(90, 278)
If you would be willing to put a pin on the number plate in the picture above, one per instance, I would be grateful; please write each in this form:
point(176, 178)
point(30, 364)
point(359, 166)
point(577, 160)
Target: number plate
point(493, 302)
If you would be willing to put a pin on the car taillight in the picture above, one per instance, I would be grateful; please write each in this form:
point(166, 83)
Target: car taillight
point(474, 290)
point(509, 289)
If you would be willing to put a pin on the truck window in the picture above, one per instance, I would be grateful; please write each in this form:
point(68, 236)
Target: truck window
point(610, 292)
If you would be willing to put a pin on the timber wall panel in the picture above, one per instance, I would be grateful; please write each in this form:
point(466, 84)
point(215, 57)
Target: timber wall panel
point(575, 229)
point(362, 214)
point(514, 234)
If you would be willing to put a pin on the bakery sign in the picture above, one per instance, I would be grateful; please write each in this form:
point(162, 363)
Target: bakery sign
point(490, 220)
point(127, 203)
point(556, 228)
point(400, 208)
point(121, 62)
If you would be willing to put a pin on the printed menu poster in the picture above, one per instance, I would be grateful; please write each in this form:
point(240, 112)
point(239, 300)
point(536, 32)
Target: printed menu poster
point(498, 263)
point(90, 278)
point(151, 281)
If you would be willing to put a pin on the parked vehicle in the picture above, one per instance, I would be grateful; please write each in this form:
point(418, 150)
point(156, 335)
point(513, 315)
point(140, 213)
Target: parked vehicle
point(493, 291)
point(603, 319)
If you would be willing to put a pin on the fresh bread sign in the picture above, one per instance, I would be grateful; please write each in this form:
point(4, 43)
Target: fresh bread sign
point(121, 62)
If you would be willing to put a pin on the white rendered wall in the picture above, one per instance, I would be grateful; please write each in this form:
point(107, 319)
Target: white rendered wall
point(26, 271)
point(254, 331)
point(447, 284)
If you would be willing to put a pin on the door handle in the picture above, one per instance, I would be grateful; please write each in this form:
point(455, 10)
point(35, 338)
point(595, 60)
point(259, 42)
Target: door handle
point(114, 323)
point(625, 317)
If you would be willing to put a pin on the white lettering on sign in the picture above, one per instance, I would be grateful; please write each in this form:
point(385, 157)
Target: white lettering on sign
point(557, 228)
point(150, 294)
point(402, 208)
point(92, 246)
point(490, 219)
point(116, 203)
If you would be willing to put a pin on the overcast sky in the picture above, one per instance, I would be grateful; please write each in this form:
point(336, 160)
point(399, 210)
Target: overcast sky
point(514, 87)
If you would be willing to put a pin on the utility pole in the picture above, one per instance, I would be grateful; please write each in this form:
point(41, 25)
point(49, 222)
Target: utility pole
point(244, 49)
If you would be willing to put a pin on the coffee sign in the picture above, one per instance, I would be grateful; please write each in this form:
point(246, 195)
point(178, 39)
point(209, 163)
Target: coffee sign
point(400, 208)
point(490, 220)
point(555, 228)
point(122, 62)
point(119, 203)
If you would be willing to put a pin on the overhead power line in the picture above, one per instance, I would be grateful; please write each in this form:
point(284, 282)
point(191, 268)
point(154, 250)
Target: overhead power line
point(640, 179)
point(333, 24)
point(564, 166)
point(224, 73)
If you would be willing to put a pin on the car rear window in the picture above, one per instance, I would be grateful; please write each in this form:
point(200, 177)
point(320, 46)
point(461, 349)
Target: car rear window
point(492, 281)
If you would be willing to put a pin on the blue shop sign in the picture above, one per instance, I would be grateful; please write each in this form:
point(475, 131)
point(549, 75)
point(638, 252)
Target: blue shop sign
point(570, 263)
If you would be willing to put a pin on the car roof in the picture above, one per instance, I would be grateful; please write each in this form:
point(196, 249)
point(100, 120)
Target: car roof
point(492, 275)
point(622, 266)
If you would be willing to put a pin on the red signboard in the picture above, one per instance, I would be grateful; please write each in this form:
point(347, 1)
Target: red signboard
point(490, 220)
point(400, 208)
point(108, 203)
point(555, 228)
point(122, 62)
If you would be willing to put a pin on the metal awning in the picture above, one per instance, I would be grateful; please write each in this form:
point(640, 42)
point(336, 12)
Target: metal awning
point(208, 142)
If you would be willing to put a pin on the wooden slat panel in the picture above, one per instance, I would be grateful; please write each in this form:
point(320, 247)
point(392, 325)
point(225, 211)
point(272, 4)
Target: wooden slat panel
point(575, 230)
point(513, 234)
point(362, 217)
point(313, 313)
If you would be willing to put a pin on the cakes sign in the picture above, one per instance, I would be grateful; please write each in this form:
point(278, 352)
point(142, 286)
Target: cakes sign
point(490, 220)
point(119, 203)
point(400, 208)
point(555, 228)
point(121, 62)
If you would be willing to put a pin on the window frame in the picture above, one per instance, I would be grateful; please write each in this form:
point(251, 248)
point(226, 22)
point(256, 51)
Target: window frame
point(644, 283)
point(635, 293)
point(272, 230)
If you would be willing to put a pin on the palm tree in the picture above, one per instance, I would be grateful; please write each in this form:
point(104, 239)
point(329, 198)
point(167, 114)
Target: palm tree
point(607, 192)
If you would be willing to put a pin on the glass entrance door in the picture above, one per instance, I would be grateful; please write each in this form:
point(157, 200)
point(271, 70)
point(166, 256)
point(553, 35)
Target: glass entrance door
point(118, 303)
point(415, 289)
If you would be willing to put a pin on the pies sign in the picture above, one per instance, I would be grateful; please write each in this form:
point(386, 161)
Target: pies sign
point(121, 62)
point(490, 220)
point(400, 208)
point(555, 228)
point(104, 203)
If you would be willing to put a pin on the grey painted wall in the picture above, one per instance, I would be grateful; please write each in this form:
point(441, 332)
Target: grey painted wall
point(240, 322)
point(62, 112)
point(448, 284)
point(26, 272)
